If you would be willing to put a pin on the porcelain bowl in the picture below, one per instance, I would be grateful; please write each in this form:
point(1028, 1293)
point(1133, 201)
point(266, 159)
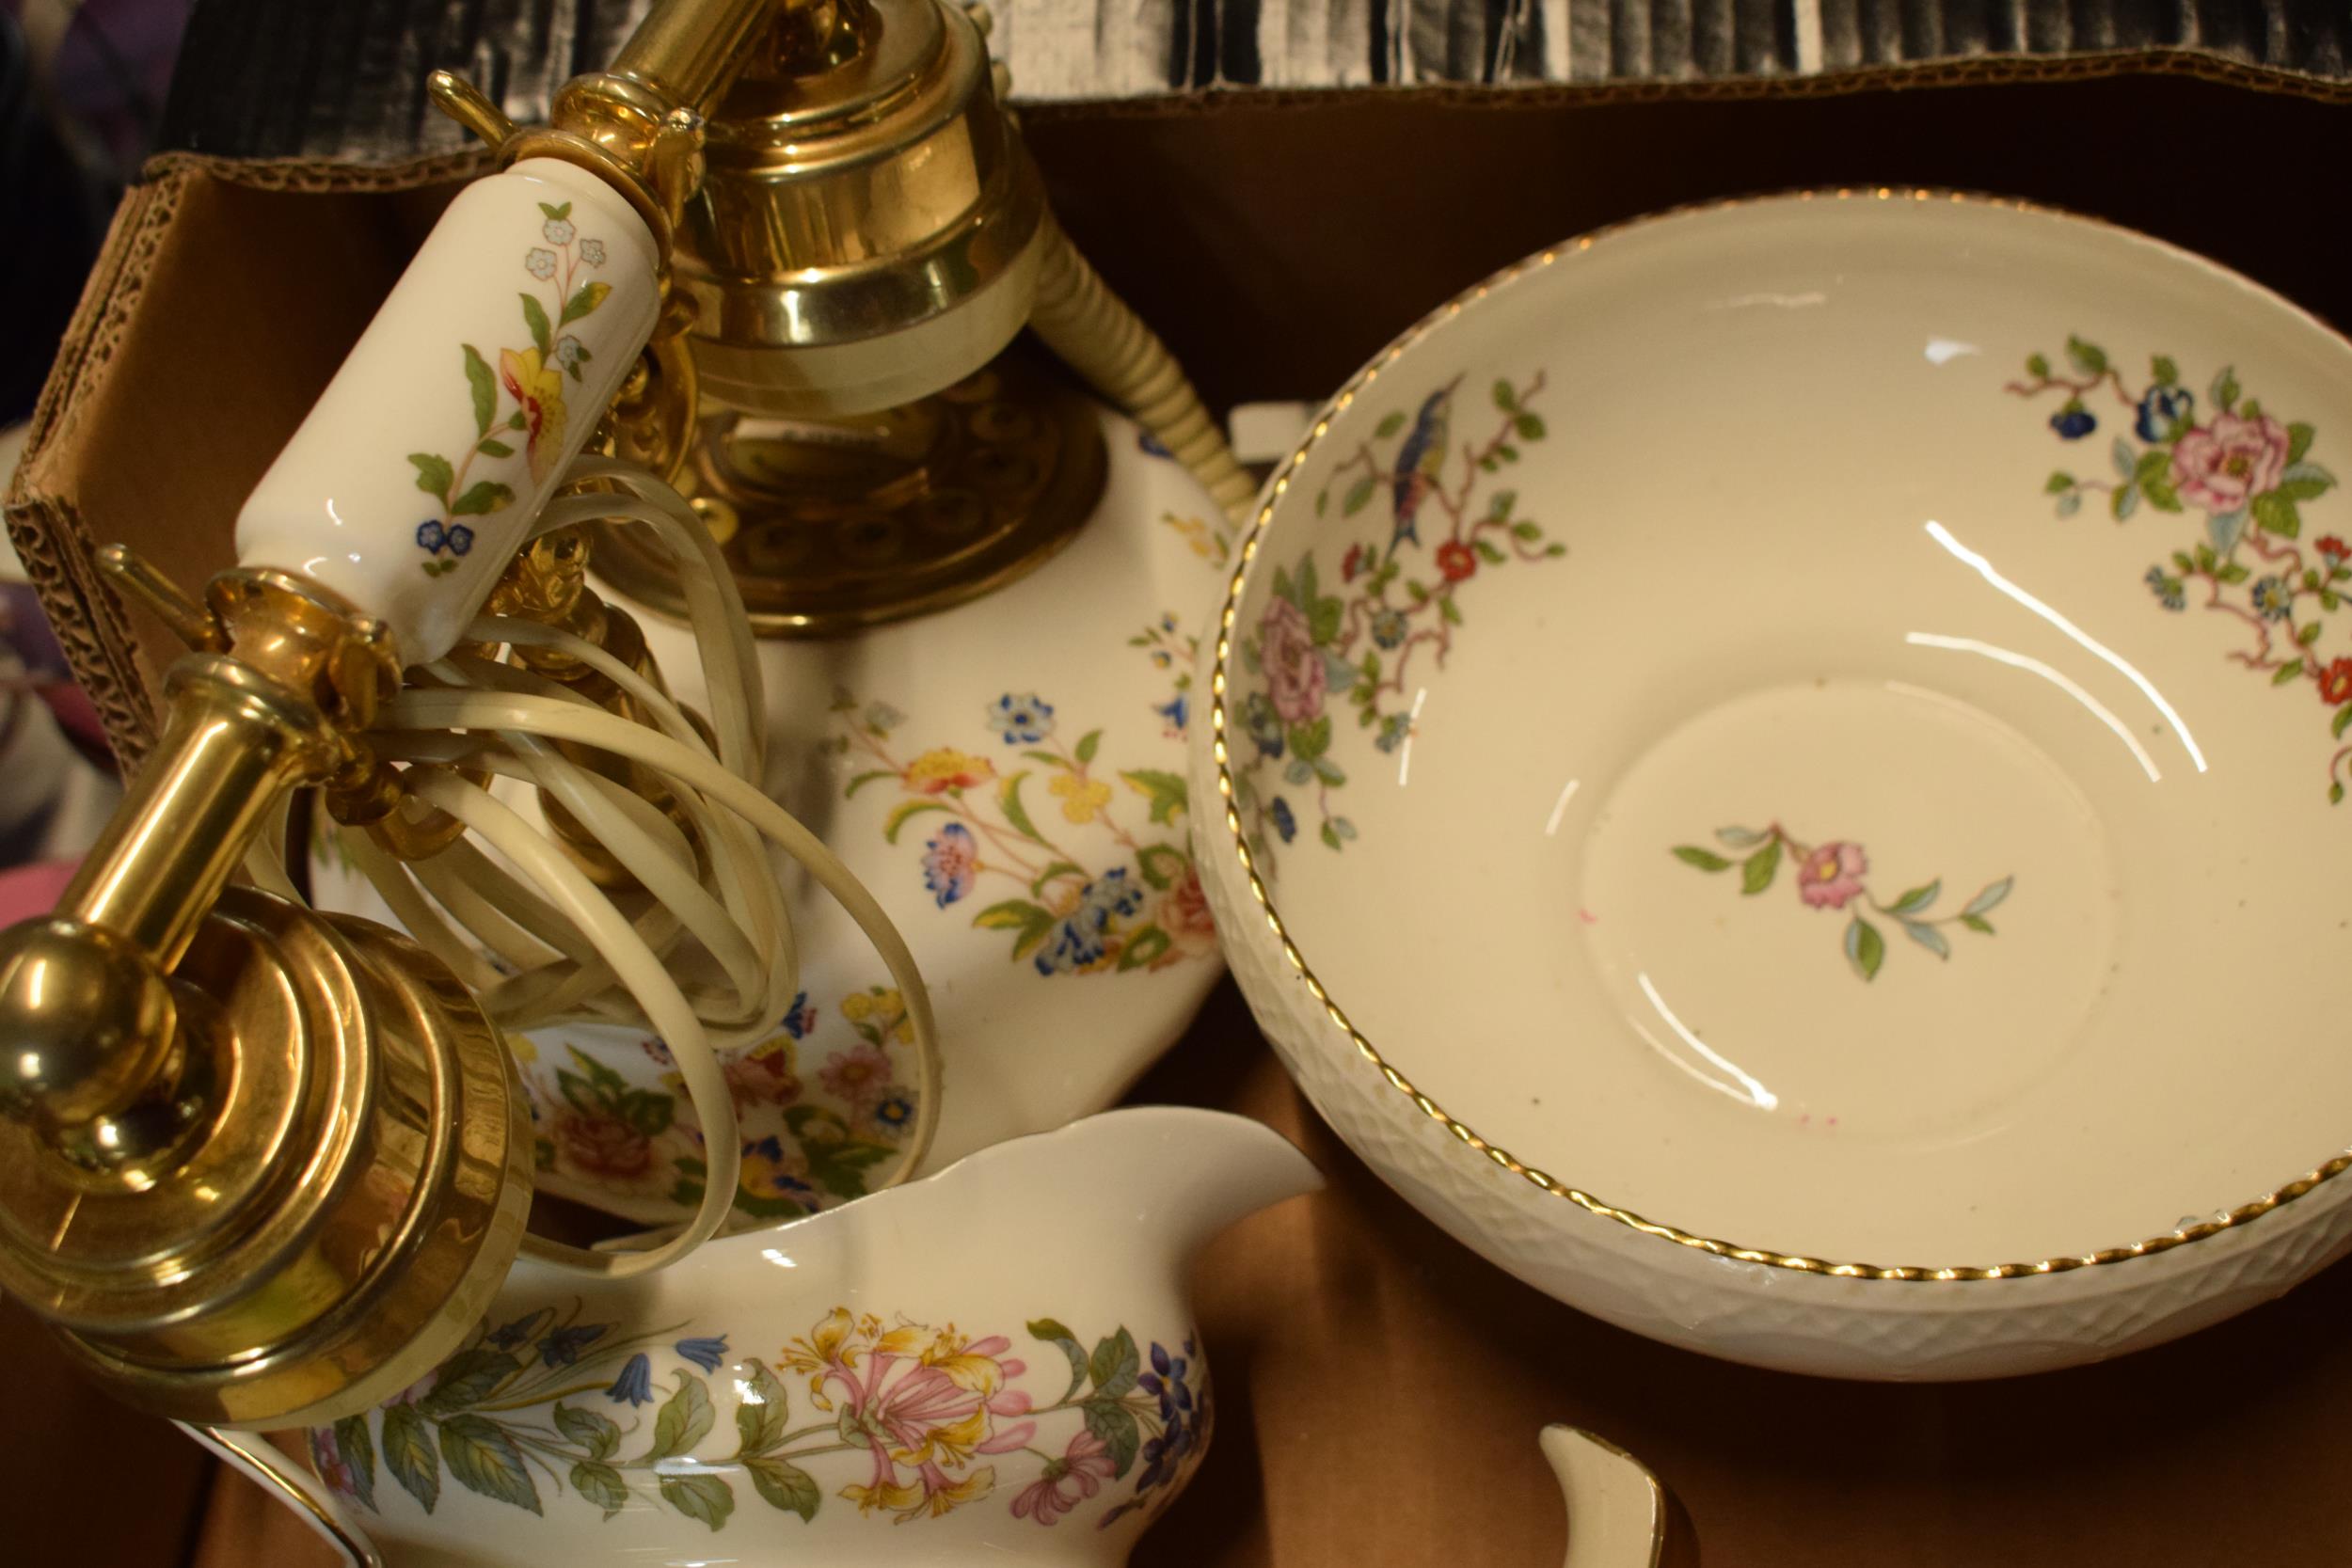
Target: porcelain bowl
point(1776, 771)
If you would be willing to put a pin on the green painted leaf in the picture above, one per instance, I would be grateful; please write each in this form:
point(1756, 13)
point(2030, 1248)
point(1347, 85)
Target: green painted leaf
point(535, 317)
point(2335, 793)
point(1865, 948)
point(1389, 426)
point(1052, 1331)
point(2154, 476)
point(1114, 1365)
point(358, 1451)
point(590, 1431)
point(601, 1484)
point(1706, 859)
point(1008, 801)
point(1928, 938)
point(1032, 921)
point(1146, 944)
point(2233, 573)
point(1359, 494)
point(484, 1460)
point(699, 1497)
point(558, 214)
point(467, 1379)
point(1488, 551)
point(2166, 371)
point(584, 299)
point(2038, 366)
point(485, 387)
point(1060, 868)
point(685, 1418)
point(2057, 484)
point(1310, 741)
point(434, 474)
point(785, 1485)
point(2299, 437)
point(1740, 838)
point(2274, 512)
point(2123, 501)
point(1115, 1424)
point(2087, 359)
point(1506, 399)
point(2308, 487)
point(408, 1454)
point(1446, 612)
point(1508, 453)
point(1526, 531)
point(1088, 744)
point(760, 1410)
point(2224, 388)
point(1530, 427)
point(2343, 717)
point(1162, 865)
point(1758, 871)
point(1500, 506)
point(1168, 792)
point(516, 421)
point(1991, 895)
point(2308, 635)
point(1917, 899)
point(482, 497)
point(862, 779)
point(2287, 671)
point(491, 446)
point(1977, 922)
point(1322, 619)
point(902, 812)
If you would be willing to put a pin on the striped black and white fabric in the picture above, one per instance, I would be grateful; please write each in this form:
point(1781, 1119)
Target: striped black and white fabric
point(294, 78)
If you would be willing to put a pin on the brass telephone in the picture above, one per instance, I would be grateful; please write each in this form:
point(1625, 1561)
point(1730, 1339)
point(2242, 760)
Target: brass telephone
point(261, 1166)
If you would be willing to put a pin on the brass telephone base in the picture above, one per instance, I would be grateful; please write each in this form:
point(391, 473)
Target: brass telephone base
point(341, 1222)
point(835, 525)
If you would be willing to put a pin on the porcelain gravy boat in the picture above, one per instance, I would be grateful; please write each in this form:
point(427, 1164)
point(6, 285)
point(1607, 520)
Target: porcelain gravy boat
point(993, 1363)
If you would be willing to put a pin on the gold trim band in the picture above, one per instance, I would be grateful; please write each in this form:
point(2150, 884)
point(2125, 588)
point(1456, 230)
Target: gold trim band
point(1503, 1158)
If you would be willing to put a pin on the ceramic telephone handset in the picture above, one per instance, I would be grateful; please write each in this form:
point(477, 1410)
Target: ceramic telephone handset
point(263, 1167)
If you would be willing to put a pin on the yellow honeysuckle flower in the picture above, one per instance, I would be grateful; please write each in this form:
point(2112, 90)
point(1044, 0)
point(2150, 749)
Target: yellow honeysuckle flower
point(970, 1488)
point(943, 768)
point(1081, 799)
point(949, 1445)
point(899, 1500)
point(539, 388)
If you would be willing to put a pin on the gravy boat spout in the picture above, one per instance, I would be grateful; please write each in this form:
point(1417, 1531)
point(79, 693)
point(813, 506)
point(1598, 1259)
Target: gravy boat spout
point(997, 1361)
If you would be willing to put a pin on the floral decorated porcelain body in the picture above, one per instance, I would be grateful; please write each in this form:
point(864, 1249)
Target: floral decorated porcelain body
point(1007, 777)
point(1782, 719)
point(997, 1362)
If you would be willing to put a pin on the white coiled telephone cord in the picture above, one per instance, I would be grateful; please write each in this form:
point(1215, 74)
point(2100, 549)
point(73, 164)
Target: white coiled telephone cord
point(563, 950)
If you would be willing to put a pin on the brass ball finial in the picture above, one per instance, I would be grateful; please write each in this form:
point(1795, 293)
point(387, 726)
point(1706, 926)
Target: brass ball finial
point(88, 1020)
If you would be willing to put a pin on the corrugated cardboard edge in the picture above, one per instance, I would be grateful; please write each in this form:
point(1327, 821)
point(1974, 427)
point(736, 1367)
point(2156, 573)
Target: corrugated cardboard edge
point(44, 521)
point(1964, 71)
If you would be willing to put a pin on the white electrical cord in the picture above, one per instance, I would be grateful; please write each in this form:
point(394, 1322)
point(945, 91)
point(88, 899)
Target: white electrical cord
point(712, 963)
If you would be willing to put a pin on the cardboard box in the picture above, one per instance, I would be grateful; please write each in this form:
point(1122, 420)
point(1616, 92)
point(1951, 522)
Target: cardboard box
point(1381, 1387)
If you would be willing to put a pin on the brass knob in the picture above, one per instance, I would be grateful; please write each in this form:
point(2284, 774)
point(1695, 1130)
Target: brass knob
point(88, 1020)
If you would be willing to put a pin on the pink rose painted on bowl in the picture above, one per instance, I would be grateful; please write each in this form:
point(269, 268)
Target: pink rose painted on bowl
point(1294, 666)
point(1831, 875)
point(2222, 466)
